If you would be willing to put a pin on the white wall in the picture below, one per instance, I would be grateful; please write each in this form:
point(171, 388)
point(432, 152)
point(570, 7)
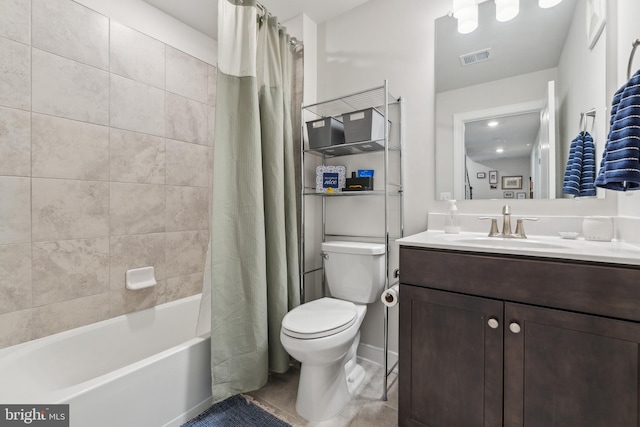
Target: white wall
point(519, 166)
point(395, 40)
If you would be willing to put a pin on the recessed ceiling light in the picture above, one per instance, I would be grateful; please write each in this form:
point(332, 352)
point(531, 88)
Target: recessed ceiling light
point(492, 124)
point(499, 150)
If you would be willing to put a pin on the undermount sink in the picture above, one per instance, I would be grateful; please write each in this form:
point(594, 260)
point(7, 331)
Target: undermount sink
point(502, 242)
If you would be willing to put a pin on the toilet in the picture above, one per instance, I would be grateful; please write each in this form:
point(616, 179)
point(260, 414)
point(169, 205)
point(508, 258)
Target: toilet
point(323, 335)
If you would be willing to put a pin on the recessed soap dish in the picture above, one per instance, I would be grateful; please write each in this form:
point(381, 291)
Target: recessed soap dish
point(571, 235)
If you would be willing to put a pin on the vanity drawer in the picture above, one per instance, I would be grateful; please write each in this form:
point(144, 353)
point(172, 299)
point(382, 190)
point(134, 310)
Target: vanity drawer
point(602, 289)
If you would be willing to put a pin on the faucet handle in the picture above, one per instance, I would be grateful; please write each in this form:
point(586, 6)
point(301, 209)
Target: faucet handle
point(493, 232)
point(519, 234)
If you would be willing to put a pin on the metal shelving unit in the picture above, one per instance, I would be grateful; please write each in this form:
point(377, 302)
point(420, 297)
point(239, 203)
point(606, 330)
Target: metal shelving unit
point(380, 99)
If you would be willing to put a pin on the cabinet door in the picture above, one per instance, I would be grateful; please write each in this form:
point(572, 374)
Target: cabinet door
point(568, 369)
point(450, 371)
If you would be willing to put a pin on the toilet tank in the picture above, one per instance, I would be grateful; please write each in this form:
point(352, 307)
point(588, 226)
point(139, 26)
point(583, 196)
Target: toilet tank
point(355, 271)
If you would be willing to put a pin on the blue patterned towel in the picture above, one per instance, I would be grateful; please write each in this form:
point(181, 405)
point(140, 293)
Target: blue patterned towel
point(620, 165)
point(580, 173)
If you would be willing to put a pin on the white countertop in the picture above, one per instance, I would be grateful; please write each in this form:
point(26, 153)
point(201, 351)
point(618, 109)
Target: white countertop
point(614, 252)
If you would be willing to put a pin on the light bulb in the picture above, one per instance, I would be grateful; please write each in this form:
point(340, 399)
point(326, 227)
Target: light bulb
point(548, 3)
point(506, 10)
point(466, 12)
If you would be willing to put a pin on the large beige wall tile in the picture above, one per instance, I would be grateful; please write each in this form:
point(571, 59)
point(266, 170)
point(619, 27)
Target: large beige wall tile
point(187, 208)
point(15, 327)
point(69, 29)
point(186, 119)
point(160, 292)
point(137, 209)
point(137, 157)
point(15, 142)
point(137, 106)
point(186, 251)
point(187, 164)
point(186, 75)
point(15, 20)
point(66, 88)
point(15, 210)
point(137, 56)
point(141, 250)
point(63, 148)
point(62, 316)
point(15, 74)
point(69, 269)
point(124, 301)
point(183, 286)
point(64, 209)
point(15, 277)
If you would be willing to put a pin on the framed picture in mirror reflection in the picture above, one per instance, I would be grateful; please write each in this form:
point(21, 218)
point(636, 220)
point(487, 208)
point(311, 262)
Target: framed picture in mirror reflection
point(512, 182)
point(493, 177)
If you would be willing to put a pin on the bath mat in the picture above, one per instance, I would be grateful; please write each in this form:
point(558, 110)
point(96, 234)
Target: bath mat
point(236, 411)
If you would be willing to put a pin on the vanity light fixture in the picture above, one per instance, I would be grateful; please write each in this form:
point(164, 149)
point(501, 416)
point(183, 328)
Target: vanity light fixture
point(466, 12)
point(545, 4)
point(506, 10)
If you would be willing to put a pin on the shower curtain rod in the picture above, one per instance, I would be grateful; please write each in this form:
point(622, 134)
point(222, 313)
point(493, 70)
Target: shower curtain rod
point(295, 43)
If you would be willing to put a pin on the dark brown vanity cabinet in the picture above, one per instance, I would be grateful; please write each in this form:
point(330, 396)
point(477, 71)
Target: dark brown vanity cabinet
point(556, 344)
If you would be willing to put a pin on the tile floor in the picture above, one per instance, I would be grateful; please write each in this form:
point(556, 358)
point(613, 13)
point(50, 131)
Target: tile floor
point(366, 409)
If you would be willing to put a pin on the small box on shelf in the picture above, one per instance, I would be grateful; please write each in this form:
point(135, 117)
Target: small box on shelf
point(364, 125)
point(330, 179)
point(325, 132)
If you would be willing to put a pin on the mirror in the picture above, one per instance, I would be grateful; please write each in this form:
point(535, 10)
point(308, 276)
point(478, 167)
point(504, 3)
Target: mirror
point(532, 77)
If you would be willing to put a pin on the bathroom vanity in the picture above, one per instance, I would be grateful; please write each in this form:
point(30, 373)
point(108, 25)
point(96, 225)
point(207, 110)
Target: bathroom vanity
point(501, 338)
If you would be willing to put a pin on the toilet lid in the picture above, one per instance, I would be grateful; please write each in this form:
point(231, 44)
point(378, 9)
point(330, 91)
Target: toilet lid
point(319, 318)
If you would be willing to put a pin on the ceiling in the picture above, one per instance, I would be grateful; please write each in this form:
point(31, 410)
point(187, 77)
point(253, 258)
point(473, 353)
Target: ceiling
point(515, 134)
point(203, 14)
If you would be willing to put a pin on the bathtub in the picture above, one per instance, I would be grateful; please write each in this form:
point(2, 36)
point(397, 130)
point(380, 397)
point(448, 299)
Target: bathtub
point(141, 369)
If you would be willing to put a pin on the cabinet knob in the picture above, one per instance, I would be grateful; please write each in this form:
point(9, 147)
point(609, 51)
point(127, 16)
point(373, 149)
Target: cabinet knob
point(493, 323)
point(515, 327)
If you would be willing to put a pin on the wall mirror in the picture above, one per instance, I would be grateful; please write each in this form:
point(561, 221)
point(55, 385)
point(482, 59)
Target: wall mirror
point(509, 98)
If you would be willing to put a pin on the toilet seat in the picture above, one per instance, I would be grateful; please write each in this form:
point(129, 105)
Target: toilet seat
point(320, 318)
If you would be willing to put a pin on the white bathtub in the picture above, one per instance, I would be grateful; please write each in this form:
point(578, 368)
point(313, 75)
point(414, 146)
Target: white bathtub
point(141, 369)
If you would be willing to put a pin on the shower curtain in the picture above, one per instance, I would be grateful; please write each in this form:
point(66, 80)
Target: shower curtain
point(254, 251)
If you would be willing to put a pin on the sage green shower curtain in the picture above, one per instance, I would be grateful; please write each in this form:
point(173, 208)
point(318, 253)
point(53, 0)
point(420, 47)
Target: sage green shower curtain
point(254, 252)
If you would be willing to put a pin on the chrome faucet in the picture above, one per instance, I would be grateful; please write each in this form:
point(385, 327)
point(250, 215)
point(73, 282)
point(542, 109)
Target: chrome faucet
point(506, 221)
point(506, 225)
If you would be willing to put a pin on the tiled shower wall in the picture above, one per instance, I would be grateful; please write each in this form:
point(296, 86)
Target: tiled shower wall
point(106, 140)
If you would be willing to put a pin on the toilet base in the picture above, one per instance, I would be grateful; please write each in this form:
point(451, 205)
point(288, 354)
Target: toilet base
point(325, 390)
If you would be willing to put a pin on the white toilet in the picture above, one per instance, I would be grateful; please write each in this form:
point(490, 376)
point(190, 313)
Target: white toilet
point(323, 335)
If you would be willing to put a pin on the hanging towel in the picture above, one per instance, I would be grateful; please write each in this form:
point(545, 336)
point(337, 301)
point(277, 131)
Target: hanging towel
point(580, 173)
point(620, 165)
point(573, 171)
point(588, 177)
